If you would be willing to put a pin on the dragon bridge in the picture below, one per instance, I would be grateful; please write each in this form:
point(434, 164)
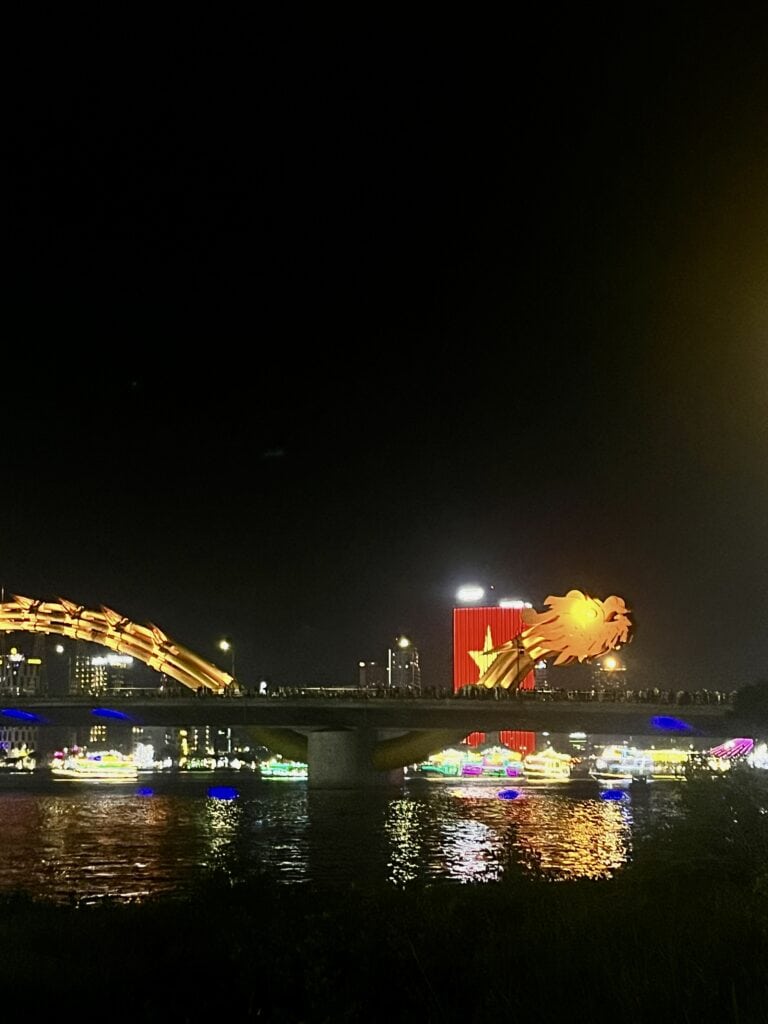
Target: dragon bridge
point(110, 629)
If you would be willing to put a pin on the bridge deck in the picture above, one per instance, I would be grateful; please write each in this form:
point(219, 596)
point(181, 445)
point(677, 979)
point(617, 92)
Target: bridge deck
point(311, 713)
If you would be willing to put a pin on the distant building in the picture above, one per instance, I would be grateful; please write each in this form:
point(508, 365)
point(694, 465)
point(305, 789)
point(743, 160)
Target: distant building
point(23, 674)
point(609, 673)
point(540, 675)
point(372, 675)
point(199, 739)
point(96, 671)
point(403, 670)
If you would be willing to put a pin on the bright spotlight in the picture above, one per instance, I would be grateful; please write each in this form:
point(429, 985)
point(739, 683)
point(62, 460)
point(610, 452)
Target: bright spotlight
point(470, 592)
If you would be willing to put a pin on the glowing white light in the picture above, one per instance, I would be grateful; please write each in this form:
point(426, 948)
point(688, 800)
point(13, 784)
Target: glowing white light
point(512, 602)
point(113, 660)
point(144, 755)
point(470, 592)
point(59, 648)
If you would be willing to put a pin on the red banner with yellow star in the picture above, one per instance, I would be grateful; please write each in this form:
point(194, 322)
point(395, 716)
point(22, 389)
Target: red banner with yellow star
point(476, 632)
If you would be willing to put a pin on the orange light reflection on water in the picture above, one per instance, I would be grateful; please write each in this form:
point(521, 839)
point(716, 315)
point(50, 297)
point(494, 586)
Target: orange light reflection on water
point(544, 833)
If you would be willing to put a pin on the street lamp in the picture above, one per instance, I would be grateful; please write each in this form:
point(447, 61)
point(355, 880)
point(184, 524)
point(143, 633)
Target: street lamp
point(227, 645)
point(59, 649)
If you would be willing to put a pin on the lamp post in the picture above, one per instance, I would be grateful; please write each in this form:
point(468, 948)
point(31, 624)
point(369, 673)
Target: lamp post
point(59, 649)
point(227, 645)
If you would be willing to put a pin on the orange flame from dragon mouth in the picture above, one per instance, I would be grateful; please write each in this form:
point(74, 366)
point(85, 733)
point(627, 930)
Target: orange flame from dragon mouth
point(576, 628)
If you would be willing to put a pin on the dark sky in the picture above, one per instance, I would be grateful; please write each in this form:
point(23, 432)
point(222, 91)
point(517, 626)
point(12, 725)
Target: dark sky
point(306, 324)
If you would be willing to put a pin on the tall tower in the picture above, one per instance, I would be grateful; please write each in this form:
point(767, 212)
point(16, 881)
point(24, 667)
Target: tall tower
point(84, 676)
point(403, 670)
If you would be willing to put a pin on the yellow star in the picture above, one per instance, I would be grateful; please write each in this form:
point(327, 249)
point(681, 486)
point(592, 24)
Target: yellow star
point(484, 659)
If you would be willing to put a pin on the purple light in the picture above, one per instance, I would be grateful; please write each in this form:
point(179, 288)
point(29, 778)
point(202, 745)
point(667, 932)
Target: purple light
point(739, 747)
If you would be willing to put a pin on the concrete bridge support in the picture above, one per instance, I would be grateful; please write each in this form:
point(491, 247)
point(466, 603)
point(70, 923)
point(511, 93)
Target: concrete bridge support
point(342, 759)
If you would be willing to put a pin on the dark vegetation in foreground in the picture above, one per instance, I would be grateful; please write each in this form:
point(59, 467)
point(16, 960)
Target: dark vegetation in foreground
point(681, 935)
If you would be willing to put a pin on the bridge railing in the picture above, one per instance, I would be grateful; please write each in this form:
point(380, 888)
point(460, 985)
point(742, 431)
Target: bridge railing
point(675, 698)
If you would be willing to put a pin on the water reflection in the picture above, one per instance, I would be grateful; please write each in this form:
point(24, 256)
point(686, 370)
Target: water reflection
point(561, 839)
point(104, 846)
point(223, 822)
point(471, 851)
point(91, 843)
point(405, 828)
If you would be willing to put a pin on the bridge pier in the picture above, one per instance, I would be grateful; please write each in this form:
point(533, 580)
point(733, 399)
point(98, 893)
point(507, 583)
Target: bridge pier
point(342, 759)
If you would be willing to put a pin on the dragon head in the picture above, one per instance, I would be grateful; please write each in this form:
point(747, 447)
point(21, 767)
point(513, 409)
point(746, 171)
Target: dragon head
point(576, 628)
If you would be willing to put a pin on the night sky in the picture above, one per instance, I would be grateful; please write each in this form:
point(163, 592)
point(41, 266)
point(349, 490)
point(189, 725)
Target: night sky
point(305, 327)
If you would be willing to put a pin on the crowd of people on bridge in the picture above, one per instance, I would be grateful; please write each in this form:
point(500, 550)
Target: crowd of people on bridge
point(655, 695)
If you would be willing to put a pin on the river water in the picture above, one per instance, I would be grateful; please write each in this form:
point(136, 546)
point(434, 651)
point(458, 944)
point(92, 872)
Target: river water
point(84, 842)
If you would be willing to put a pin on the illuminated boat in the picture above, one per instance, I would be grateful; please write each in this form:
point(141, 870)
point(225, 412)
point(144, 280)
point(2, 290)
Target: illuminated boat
point(95, 766)
point(489, 765)
point(669, 764)
point(722, 758)
point(278, 768)
point(619, 763)
point(758, 757)
point(445, 765)
point(19, 759)
point(548, 766)
point(501, 762)
point(197, 763)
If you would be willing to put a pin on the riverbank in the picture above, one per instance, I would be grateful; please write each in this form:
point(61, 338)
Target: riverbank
point(474, 952)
